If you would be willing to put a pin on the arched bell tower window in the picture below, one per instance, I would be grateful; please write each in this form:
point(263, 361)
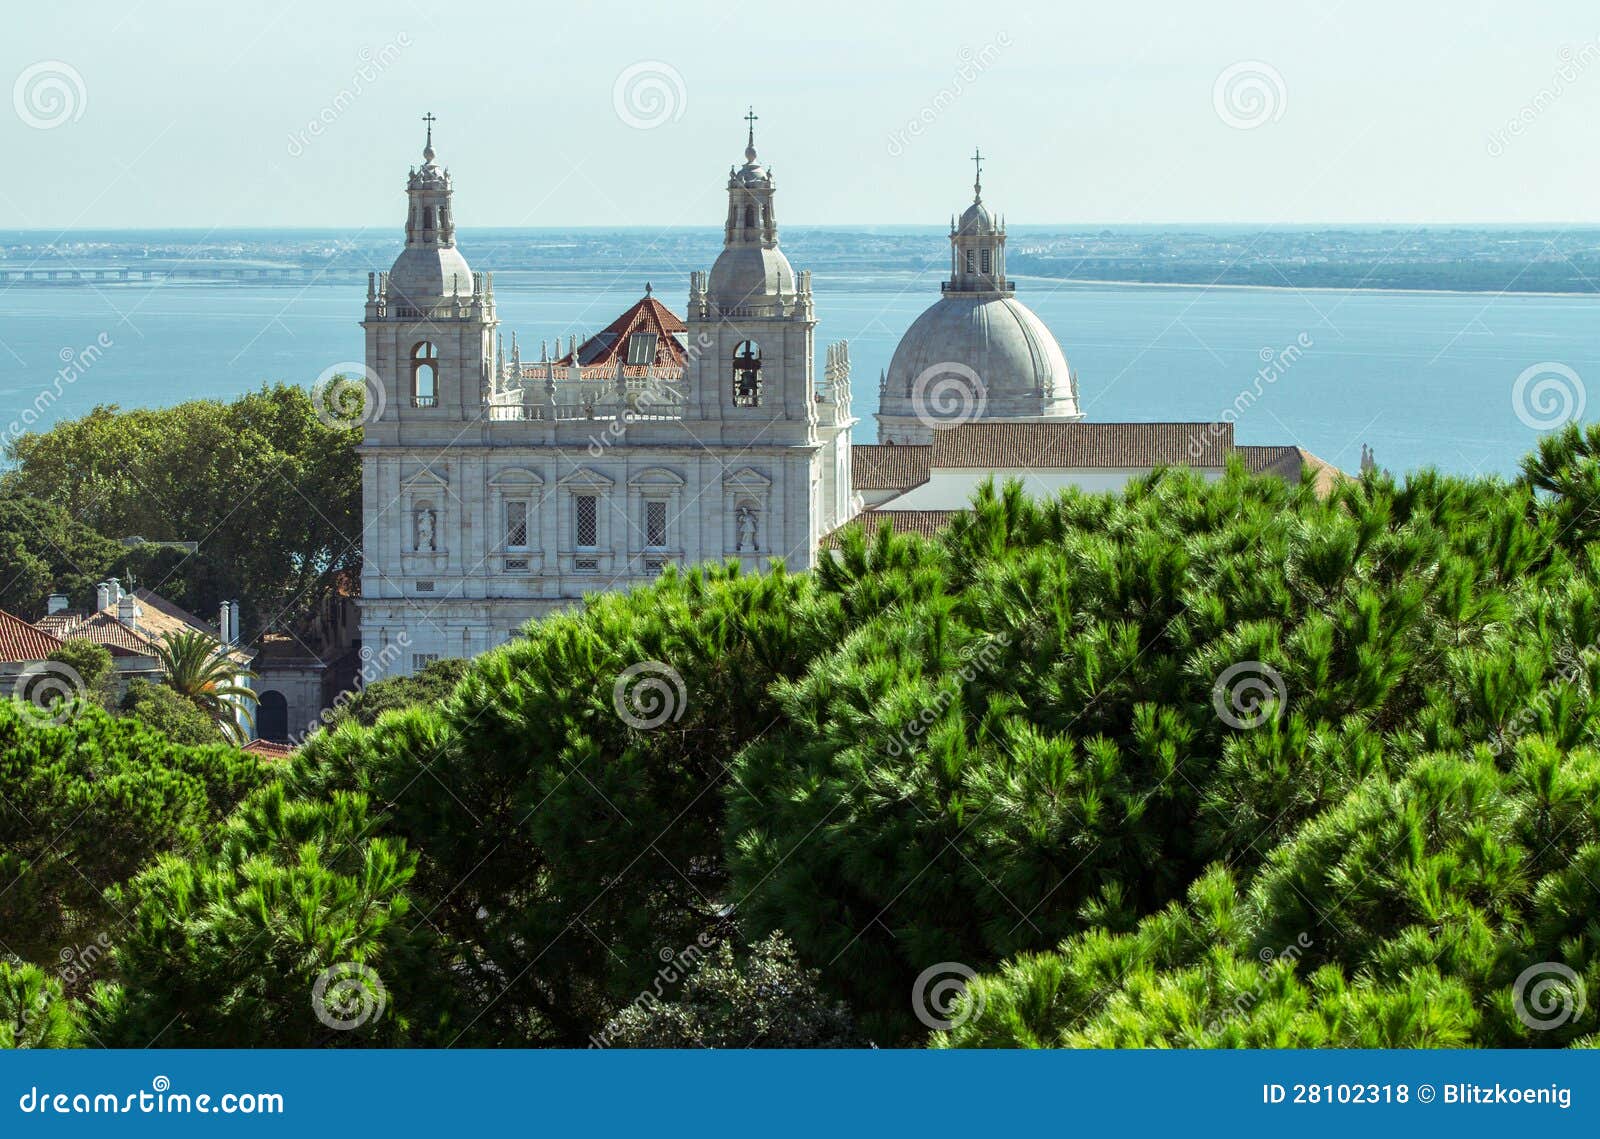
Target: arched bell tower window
point(749, 217)
point(425, 375)
point(747, 375)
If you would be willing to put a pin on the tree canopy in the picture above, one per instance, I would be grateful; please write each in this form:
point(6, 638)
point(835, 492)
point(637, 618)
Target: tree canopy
point(1197, 764)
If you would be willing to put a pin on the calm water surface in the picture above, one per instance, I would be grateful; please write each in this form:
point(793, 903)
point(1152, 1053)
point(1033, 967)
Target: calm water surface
point(1426, 379)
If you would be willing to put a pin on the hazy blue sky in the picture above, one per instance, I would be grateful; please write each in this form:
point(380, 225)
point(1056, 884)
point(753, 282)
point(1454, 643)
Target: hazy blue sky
point(197, 114)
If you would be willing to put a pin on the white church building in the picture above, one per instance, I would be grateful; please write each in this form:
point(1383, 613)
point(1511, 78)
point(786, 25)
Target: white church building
point(496, 490)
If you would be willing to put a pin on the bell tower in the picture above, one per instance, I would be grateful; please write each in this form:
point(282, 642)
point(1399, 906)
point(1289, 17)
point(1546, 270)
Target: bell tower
point(430, 319)
point(751, 322)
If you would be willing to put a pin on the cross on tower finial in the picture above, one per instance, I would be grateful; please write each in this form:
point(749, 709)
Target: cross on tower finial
point(427, 149)
point(750, 117)
point(977, 179)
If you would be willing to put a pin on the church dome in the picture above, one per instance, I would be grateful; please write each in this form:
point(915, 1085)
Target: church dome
point(745, 273)
point(1021, 368)
point(430, 271)
point(977, 219)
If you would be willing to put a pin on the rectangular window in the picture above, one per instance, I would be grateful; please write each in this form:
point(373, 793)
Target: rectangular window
point(984, 258)
point(585, 521)
point(655, 525)
point(969, 261)
point(516, 525)
point(420, 661)
point(642, 348)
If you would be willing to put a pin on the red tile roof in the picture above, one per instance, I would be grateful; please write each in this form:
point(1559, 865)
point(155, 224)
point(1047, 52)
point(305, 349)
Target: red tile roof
point(101, 628)
point(598, 355)
point(1005, 444)
point(888, 466)
point(924, 522)
point(21, 643)
point(1289, 462)
point(268, 749)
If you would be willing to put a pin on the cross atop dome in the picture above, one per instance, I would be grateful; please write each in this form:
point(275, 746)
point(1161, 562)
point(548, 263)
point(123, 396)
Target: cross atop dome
point(427, 150)
point(977, 180)
point(750, 118)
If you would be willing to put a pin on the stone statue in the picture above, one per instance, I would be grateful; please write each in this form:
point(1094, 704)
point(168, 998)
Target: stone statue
point(425, 530)
point(745, 521)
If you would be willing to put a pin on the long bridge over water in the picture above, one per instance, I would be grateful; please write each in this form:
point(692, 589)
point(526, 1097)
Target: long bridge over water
point(96, 274)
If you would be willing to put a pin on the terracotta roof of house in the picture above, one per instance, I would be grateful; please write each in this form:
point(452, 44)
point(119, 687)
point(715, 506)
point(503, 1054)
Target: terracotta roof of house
point(101, 628)
point(1004, 444)
point(888, 466)
point(1288, 463)
point(21, 643)
point(269, 749)
point(924, 522)
point(598, 355)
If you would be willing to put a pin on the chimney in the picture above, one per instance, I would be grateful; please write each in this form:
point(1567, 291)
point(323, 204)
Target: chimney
point(102, 597)
point(57, 603)
point(116, 591)
point(222, 624)
point(128, 610)
point(233, 623)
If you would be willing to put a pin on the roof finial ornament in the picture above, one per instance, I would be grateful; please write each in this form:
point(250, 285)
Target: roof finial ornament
point(977, 178)
point(750, 146)
point(427, 149)
point(647, 289)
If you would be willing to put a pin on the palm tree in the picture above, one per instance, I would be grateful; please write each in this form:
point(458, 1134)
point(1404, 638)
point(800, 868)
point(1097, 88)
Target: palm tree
point(198, 667)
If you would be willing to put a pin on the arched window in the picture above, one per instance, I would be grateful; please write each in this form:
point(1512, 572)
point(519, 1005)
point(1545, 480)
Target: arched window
point(749, 217)
point(427, 218)
point(272, 717)
point(425, 375)
point(747, 375)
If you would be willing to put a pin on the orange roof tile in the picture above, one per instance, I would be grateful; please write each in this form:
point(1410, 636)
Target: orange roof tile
point(21, 643)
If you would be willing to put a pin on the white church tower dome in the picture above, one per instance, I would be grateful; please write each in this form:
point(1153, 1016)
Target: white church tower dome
point(751, 266)
point(430, 267)
point(977, 352)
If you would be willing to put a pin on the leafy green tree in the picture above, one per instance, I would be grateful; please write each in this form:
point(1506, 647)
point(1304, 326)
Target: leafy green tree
point(46, 549)
point(763, 998)
point(34, 1013)
point(270, 492)
point(296, 931)
point(199, 669)
point(174, 716)
point(430, 686)
point(84, 804)
point(92, 664)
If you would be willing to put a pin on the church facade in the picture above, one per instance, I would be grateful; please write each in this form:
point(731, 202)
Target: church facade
point(495, 490)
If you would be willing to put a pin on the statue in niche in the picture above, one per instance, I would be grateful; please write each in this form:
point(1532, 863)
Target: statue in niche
point(424, 536)
point(745, 525)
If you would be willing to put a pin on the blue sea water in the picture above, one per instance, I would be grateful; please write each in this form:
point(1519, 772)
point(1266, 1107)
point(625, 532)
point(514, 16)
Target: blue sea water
point(1424, 378)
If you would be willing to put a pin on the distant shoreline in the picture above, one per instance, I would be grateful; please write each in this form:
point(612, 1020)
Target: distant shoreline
point(1316, 288)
